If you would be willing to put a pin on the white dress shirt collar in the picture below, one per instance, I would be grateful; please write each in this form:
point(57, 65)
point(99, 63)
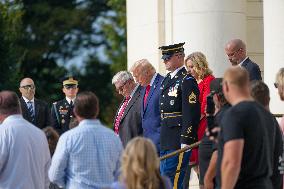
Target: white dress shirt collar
point(69, 100)
point(175, 72)
point(27, 100)
point(241, 63)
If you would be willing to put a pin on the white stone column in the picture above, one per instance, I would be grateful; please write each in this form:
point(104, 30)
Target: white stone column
point(145, 31)
point(206, 26)
point(273, 13)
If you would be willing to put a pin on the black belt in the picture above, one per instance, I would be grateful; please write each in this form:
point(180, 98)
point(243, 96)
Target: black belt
point(170, 115)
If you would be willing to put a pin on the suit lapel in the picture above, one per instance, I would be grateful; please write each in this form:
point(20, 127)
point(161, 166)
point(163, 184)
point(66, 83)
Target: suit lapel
point(24, 108)
point(245, 63)
point(132, 101)
point(151, 92)
point(37, 107)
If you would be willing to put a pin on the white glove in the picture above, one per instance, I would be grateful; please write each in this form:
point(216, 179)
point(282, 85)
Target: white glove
point(185, 145)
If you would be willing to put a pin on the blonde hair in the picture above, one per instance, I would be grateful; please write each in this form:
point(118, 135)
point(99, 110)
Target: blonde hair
point(280, 77)
point(140, 165)
point(237, 76)
point(142, 66)
point(200, 64)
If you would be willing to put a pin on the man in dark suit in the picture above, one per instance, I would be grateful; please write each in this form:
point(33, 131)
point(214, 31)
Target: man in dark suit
point(180, 113)
point(34, 110)
point(127, 121)
point(62, 111)
point(145, 74)
point(236, 52)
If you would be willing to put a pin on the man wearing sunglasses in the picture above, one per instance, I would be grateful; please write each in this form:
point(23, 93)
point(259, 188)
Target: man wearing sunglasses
point(34, 110)
point(62, 111)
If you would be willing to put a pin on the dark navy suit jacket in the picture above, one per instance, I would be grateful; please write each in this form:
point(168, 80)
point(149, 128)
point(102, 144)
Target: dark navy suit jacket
point(42, 114)
point(151, 117)
point(253, 69)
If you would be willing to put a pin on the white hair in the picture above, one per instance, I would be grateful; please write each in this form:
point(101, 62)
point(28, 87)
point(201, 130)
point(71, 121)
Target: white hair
point(122, 76)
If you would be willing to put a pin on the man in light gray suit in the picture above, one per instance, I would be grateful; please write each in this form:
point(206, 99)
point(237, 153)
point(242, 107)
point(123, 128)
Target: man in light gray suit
point(127, 122)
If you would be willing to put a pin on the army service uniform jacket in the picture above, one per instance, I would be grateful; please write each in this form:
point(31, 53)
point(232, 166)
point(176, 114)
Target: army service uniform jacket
point(61, 114)
point(180, 110)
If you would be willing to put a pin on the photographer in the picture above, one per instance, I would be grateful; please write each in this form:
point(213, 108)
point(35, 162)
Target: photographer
point(216, 107)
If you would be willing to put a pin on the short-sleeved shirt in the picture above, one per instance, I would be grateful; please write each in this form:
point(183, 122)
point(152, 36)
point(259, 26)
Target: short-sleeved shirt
point(248, 121)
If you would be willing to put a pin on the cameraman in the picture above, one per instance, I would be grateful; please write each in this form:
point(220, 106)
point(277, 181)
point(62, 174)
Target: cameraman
point(216, 107)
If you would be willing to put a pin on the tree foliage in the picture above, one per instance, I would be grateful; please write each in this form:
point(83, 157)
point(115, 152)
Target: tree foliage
point(38, 37)
point(10, 53)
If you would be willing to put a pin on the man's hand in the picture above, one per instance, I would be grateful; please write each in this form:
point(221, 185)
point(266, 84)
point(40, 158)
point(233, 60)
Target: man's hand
point(214, 130)
point(183, 146)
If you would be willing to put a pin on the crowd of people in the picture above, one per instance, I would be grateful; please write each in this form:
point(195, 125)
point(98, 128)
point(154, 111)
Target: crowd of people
point(66, 146)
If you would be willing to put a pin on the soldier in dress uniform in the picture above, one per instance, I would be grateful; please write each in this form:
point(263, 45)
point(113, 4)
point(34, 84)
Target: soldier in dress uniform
point(62, 111)
point(180, 113)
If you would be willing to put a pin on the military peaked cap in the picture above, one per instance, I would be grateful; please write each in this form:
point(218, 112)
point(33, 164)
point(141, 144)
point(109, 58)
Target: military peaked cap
point(70, 81)
point(168, 51)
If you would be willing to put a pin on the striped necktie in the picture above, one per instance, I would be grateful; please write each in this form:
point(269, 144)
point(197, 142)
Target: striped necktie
point(31, 110)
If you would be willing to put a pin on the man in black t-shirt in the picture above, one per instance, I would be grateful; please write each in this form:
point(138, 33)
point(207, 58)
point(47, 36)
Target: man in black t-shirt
point(244, 157)
point(260, 93)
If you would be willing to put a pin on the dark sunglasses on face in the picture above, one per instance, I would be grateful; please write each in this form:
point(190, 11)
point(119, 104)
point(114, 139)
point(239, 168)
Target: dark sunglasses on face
point(167, 58)
point(70, 87)
point(28, 87)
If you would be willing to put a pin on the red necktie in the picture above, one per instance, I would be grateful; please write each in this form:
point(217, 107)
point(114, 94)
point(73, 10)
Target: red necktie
point(146, 94)
point(120, 114)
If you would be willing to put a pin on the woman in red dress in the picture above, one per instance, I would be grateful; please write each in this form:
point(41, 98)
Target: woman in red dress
point(197, 66)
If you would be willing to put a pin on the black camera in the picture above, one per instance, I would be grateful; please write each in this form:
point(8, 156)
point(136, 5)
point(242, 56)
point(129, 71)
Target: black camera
point(210, 109)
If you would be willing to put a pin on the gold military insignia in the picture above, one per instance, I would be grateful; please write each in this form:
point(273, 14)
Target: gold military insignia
point(189, 130)
point(192, 98)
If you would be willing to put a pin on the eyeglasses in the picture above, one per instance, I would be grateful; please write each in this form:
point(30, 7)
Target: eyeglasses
point(233, 53)
point(276, 85)
point(119, 89)
point(68, 87)
point(26, 87)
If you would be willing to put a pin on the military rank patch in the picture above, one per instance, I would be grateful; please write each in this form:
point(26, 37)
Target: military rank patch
point(189, 129)
point(192, 98)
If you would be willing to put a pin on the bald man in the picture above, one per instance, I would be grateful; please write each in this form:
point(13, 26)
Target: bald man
point(237, 55)
point(34, 110)
point(246, 136)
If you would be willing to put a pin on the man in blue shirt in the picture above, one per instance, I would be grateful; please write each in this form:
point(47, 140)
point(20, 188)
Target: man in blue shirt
point(87, 156)
point(24, 153)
